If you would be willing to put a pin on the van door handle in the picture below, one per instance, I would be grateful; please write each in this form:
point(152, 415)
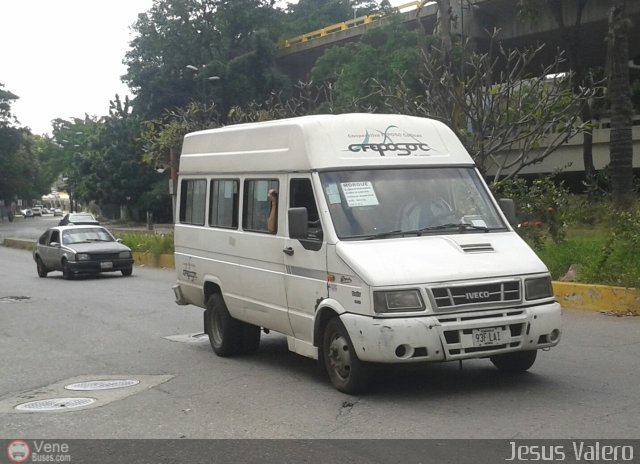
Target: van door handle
point(288, 251)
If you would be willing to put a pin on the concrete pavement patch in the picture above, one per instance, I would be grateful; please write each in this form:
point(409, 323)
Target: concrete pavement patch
point(103, 397)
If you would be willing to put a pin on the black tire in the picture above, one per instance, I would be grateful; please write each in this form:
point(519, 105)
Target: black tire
point(228, 336)
point(346, 372)
point(67, 274)
point(250, 338)
point(516, 362)
point(42, 269)
point(127, 271)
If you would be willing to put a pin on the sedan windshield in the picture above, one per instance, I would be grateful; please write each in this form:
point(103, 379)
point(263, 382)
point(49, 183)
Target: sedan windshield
point(85, 235)
point(382, 203)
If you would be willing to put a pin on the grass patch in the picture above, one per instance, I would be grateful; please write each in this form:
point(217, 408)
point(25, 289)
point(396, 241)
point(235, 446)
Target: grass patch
point(600, 260)
point(155, 244)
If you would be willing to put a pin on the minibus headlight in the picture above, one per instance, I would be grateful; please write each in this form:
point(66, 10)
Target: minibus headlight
point(397, 301)
point(537, 288)
point(82, 257)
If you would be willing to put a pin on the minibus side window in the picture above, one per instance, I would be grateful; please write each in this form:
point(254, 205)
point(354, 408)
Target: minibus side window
point(256, 205)
point(192, 201)
point(223, 205)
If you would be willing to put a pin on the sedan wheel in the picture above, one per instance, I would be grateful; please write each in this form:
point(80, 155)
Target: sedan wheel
point(127, 272)
point(66, 270)
point(42, 270)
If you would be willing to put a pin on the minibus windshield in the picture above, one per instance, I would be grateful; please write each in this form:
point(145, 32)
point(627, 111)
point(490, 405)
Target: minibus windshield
point(386, 203)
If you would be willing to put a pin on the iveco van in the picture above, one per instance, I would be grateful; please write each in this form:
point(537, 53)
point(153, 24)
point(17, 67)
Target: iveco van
point(363, 238)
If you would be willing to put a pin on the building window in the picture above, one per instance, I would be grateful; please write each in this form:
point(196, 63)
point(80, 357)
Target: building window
point(256, 205)
point(223, 205)
point(192, 201)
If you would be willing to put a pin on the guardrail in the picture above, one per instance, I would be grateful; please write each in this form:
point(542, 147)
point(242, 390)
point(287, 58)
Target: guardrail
point(345, 25)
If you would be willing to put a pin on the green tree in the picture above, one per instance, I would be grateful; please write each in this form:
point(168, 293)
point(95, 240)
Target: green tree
point(385, 56)
point(181, 44)
point(21, 176)
point(114, 175)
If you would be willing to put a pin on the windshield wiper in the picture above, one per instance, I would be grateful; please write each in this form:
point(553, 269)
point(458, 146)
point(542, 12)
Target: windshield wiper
point(461, 226)
point(385, 234)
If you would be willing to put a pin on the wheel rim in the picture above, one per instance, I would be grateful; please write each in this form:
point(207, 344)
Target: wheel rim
point(339, 356)
point(216, 328)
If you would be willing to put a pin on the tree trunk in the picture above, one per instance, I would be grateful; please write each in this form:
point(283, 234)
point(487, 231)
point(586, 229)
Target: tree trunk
point(572, 38)
point(620, 143)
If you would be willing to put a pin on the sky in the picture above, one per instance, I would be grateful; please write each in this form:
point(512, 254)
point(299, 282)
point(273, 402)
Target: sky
point(63, 58)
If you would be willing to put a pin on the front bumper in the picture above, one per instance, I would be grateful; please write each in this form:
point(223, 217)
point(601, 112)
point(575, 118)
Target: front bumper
point(94, 266)
point(449, 336)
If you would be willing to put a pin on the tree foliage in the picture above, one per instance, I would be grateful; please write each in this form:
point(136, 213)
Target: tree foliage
point(386, 56)
point(21, 176)
point(216, 37)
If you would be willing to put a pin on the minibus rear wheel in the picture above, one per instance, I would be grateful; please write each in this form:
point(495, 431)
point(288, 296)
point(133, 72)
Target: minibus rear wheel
point(346, 372)
point(518, 361)
point(228, 336)
point(224, 331)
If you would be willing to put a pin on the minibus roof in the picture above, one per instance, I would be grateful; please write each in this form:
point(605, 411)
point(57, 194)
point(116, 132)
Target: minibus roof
point(322, 142)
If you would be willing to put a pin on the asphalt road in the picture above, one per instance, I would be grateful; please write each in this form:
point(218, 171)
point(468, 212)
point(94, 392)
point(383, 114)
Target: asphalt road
point(55, 332)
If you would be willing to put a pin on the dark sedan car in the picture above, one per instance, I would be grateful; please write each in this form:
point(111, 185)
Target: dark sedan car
point(81, 249)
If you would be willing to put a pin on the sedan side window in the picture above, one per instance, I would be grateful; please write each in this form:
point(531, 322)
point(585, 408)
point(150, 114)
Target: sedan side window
point(55, 237)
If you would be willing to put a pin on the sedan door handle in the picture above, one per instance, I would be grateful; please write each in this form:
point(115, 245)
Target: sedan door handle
point(288, 251)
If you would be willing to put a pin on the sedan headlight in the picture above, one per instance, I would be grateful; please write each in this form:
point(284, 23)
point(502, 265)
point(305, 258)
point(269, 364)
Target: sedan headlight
point(83, 257)
point(124, 254)
point(538, 288)
point(397, 301)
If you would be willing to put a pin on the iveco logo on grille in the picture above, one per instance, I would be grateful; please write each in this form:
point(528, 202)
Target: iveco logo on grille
point(477, 295)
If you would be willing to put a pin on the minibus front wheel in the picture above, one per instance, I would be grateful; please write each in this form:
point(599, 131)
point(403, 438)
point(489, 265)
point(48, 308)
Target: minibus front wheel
point(346, 372)
point(514, 362)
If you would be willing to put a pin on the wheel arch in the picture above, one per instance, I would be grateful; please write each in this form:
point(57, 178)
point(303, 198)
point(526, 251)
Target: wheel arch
point(211, 287)
point(327, 310)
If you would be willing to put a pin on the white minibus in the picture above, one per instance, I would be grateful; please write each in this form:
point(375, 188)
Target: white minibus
point(362, 238)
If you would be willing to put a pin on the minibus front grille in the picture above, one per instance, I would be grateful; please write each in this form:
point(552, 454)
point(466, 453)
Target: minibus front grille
point(482, 294)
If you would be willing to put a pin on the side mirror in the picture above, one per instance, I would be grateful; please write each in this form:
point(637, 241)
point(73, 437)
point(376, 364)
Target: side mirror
point(508, 207)
point(54, 244)
point(298, 223)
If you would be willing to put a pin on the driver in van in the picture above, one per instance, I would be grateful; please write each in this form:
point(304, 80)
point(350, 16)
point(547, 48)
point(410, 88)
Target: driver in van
point(424, 208)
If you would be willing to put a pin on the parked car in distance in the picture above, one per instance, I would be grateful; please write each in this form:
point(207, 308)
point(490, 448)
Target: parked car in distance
point(78, 219)
point(45, 210)
point(37, 210)
point(81, 249)
point(26, 212)
point(57, 212)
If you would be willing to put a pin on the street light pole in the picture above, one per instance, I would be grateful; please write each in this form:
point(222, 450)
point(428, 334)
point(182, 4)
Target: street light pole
point(199, 73)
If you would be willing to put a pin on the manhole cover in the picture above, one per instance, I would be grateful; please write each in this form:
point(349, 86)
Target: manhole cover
point(13, 299)
point(102, 385)
point(55, 404)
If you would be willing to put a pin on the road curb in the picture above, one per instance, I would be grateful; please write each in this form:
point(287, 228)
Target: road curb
point(589, 297)
point(586, 297)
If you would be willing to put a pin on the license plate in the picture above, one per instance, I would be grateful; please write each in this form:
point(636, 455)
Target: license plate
point(488, 336)
point(106, 265)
